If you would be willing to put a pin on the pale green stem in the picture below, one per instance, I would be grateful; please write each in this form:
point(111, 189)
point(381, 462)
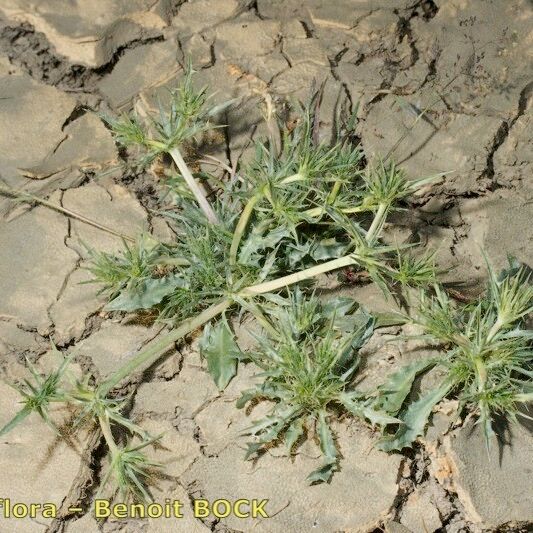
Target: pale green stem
point(157, 348)
point(193, 186)
point(27, 197)
point(494, 330)
point(315, 212)
point(334, 264)
point(524, 397)
point(285, 281)
point(352, 210)
point(260, 317)
point(244, 220)
point(105, 426)
point(334, 192)
point(241, 227)
point(377, 223)
point(481, 374)
point(293, 178)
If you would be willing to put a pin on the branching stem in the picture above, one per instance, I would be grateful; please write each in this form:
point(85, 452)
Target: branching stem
point(285, 281)
point(241, 227)
point(193, 186)
point(260, 317)
point(481, 374)
point(334, 192)
point(293, 178)
point(377, 223)
point(494, 330)
point(155, 349)
point(105, 425)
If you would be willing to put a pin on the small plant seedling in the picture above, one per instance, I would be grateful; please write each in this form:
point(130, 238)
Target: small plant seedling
point(39, 394)
point(487, 358)
point(177, 280)
point(131, 271)
point(309, 356)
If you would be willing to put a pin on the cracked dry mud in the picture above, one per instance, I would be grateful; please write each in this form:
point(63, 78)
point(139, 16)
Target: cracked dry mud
point(467, 63)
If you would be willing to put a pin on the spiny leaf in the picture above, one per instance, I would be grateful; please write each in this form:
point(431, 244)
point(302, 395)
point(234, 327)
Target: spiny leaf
point(221, 352)
point(270, 428)
point(338, 307)
point(146, 294)
point(293, 433)
point(246, 396)
point(252, 448)
point(415, 419)
point(309, 354)
point(17, 419)
point(364, 410)
point(255, 244)
point(485, 420)
point(131, 470)
point(393, 392)
point(328, 249)
point(515, 267)
point(329, 450)
point(38, 395)
point(378, 418)
point(327, 442)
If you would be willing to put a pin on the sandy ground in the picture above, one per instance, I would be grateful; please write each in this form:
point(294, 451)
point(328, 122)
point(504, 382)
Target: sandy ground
point(466, 62)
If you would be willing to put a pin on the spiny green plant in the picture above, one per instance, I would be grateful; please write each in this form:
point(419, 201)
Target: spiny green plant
point(296, 214)
point(309, 356)
point(39, 394)
point(283, 193)
point(415, 271)
point(487, 358)
point(178, 279)
point(131, 469)
point(288, 212)
point(305, 205)
point(130, 271)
